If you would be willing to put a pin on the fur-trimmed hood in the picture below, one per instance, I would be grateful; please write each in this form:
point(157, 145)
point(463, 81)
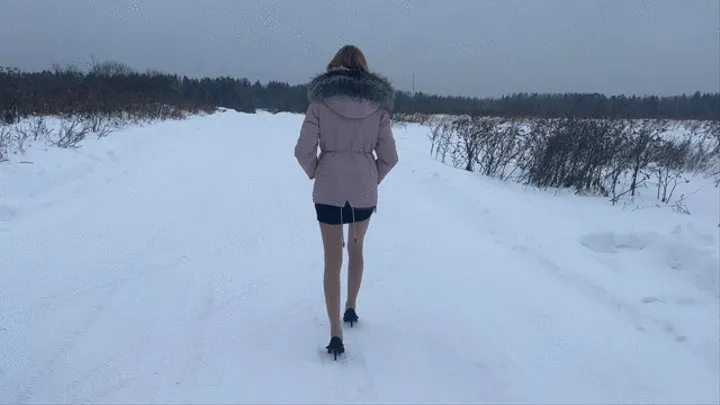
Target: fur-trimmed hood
point(353, 83)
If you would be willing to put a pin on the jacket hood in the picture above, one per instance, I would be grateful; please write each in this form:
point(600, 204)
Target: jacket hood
point(352, 93)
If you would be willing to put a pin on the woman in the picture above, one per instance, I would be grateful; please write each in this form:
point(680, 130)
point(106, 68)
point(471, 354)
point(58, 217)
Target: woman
point(348, 117)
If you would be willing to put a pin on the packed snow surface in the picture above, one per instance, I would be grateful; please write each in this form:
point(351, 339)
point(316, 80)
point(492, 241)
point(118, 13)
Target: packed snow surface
point(181, 262)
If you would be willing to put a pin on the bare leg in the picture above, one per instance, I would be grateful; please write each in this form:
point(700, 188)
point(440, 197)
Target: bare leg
point(356, 237)
point(332, 244)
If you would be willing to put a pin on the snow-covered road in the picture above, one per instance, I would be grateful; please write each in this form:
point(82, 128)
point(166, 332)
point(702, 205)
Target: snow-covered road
point(182, 263)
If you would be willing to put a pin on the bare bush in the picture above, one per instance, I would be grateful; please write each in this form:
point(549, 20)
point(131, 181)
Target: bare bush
point(440, 139)
point(471, 134)
point(610, 157)
point(71, 133)
point(493, 145)
point(713, 162)
point(5, 141)
point(32, 130)
point(499, 142)
point(577, 153)
point(669, 167)
point(644, 137)
point(100, 124)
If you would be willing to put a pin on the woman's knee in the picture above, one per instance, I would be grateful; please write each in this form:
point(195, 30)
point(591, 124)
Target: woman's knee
point(355, 248)
point(333, 262)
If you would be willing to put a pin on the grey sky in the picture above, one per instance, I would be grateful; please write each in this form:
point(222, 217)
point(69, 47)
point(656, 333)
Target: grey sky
point(454, 47)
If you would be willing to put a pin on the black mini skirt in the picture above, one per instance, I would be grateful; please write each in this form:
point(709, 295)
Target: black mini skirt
point(334, 215)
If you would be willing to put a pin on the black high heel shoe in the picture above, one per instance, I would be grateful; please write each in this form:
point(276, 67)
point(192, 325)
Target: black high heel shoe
point(335, 347)
point(350, 316)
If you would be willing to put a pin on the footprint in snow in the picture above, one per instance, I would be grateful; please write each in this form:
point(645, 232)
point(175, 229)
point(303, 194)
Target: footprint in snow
point(681, 301)
point(609, 242)
point(649, 300)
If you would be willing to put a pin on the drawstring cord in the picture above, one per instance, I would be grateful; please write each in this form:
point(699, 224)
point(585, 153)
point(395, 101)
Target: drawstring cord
point(342, 233)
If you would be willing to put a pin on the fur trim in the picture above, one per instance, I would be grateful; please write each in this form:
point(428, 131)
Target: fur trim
point(353, 83)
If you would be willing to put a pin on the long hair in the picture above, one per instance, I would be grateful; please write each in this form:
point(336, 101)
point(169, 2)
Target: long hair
point(350, 57)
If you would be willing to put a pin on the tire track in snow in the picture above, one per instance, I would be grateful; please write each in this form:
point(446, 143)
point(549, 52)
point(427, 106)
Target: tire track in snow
point(506, 237)
point(198, 345)
point(69, 343)
point(112, 376)
point(49, 365)
point(52, 302)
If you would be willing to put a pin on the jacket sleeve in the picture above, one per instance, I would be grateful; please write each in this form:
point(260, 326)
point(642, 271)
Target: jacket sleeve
point(307, 143)
point(385, 149)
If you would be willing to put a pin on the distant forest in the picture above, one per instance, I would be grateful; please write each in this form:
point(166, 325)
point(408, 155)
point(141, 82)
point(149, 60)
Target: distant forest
point(111, 87)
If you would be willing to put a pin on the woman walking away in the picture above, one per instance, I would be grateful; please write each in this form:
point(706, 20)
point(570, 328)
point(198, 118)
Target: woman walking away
point(348, 117)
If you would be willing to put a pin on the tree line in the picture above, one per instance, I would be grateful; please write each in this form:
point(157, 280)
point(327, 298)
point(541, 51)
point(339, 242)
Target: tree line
point(592, 143)
point(113, 88)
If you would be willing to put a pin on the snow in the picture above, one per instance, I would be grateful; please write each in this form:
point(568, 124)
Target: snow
point(181, 262)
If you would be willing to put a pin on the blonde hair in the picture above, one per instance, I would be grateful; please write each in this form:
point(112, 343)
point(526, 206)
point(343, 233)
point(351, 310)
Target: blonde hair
point(350, 57)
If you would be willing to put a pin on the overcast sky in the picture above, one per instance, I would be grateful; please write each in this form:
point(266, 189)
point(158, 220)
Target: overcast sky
point(454, 47)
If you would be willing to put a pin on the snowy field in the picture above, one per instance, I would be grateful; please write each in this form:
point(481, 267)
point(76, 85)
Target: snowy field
point(181, 262)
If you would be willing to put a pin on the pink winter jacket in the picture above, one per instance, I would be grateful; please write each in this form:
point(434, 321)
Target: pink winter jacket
point(348, 118)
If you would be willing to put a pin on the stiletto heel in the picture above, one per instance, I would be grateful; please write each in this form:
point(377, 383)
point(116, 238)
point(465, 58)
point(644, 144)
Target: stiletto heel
point(350, 316)
point(335, 347)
